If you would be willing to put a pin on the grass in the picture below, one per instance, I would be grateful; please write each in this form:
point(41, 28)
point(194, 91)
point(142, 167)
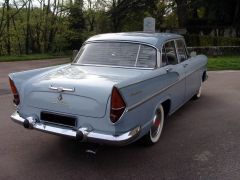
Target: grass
point(31, 57)
point(224, 63)
point(214, 63)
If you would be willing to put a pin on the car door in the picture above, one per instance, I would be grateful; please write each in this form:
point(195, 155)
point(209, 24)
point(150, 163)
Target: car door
point(171, 65)
point(189, 65)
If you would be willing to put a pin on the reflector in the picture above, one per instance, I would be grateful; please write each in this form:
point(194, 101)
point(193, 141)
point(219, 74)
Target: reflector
point(16, 99)
point(117, 105)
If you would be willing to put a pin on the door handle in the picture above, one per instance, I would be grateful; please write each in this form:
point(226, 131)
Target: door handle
point(168, 69)
point(185, 65)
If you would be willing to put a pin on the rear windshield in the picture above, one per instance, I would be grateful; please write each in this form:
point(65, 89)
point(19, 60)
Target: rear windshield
point(117, 54)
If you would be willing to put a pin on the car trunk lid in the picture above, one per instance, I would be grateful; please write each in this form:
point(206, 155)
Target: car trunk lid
point(78, 90)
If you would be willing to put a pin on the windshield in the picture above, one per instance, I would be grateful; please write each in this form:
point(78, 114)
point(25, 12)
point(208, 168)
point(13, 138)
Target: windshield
point(117, 54)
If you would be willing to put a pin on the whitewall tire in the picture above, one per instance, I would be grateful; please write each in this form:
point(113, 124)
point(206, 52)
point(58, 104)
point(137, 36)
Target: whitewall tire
point(199, 93)
point(155, 131)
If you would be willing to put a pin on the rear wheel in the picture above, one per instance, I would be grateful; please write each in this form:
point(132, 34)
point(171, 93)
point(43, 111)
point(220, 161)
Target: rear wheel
point(155, 131)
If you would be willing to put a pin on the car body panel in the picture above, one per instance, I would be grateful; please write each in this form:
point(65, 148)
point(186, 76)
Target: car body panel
point(84, 92)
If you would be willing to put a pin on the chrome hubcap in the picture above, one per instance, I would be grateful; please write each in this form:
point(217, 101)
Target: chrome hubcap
point(155, 129)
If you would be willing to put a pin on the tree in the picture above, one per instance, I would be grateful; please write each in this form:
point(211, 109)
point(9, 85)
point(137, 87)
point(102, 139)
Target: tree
point(76, 24)
point(182, 12)
point(8, 44)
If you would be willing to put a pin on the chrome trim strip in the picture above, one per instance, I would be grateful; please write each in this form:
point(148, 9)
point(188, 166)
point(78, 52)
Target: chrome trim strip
point(139, 47)
point(58, 124)
point(150, 97)
point(120, 41)
point(125, 67)
point(92, 136)
point(157, 93)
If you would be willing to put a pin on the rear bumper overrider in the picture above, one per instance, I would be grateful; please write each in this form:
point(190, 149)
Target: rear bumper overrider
point(81, 134)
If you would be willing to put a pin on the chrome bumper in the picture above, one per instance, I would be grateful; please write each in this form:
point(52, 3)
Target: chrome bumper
point(91, 136)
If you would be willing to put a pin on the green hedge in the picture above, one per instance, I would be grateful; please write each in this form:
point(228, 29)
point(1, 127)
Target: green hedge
point(196, 41)
point(216, 50)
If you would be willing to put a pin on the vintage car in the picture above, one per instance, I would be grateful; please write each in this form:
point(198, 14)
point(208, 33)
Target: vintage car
point(119, 88)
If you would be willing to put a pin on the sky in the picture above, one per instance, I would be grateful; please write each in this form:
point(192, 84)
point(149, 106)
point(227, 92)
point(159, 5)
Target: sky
point(36, 3)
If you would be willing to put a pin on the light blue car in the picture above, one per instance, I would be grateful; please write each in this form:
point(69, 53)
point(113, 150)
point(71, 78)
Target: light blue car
point(119, 88)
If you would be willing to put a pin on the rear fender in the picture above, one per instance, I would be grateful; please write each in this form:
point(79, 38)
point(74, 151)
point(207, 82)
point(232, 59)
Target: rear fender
point(140, 92)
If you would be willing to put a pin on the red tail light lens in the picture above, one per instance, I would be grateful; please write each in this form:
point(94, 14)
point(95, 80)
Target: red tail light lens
point(16, 99)
point(117, 105)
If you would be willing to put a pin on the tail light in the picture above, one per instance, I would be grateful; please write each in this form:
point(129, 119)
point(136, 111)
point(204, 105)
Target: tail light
point(117, 105)
point(16, 99)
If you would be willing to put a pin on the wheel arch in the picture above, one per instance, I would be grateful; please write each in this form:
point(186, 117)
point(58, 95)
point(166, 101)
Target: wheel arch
point(166, 104)
point(166, 107)
point(204, 76)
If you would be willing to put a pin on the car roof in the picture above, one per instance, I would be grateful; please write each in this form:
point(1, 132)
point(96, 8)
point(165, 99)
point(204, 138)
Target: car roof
point(154, 39)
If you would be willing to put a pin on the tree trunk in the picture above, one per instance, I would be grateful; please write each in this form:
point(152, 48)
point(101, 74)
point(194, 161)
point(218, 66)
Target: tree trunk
point(2, 18)
point(27, 29)
point(182, 13)
point(8, 45)
point(19, 43)
point(46, 29)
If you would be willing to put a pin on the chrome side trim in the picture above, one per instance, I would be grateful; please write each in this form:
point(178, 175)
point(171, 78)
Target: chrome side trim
point(152, 96)
point(92, 136)
point(157, 93)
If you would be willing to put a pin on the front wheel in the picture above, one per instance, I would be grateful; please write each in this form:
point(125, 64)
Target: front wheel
point(155, 131)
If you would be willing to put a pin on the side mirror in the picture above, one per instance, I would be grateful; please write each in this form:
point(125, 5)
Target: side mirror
point(193, 54)
point(74, 54)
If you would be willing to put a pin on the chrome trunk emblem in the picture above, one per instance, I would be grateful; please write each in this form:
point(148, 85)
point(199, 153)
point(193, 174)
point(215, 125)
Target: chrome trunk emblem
point(61, 89)
point(60, 97)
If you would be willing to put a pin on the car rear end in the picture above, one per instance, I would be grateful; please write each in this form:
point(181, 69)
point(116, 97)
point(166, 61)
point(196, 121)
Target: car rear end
point(86, 107)
point(84, 100)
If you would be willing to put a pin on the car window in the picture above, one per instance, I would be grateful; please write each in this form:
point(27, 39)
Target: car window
point(147, 57)
point(118, 54)
point(181, 50)
point(169, 55)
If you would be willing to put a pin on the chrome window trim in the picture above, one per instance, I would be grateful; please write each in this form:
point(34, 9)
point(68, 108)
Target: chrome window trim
point(176, 51)
point(169, 40)
point(185, 46)
point(139, 47)
point(187, 56)
point(125, 67)
point(157, 64)
point(158, 59)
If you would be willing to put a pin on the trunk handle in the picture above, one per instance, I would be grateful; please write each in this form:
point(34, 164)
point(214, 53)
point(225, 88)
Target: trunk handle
point(61, 89)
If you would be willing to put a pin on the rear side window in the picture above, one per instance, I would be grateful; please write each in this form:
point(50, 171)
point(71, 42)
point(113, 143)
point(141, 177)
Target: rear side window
point(118, 54)
point(147, 57)
point(181, 49)
point(169, 55)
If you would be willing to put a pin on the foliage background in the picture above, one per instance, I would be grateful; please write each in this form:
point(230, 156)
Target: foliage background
point(57, 26)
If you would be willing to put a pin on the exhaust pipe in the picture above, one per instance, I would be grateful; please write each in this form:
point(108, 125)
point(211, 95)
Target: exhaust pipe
point(81, 134)
point(29, 123)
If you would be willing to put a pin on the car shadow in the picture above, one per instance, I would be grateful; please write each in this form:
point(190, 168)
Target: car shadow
point(85, 156)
